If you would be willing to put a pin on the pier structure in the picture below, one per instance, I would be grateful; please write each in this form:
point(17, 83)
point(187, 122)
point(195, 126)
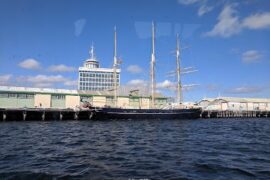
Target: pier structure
point(49, 114)
point(234, 107)
point(234, 114)
point(35, 114)
point(235, 104)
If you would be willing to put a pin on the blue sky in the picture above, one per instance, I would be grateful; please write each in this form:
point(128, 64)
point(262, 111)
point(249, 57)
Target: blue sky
point(42, 43)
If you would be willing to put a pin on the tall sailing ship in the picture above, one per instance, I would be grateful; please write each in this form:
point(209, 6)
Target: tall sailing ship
point(152, 112)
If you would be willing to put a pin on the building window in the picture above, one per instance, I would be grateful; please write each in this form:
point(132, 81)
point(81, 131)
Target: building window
point(3, 95)
point(12, 95)
point(109, 101)
point(58, 96)
point(22, 96)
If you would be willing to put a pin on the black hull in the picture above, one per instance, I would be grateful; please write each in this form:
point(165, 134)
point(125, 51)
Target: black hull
point(117, 113)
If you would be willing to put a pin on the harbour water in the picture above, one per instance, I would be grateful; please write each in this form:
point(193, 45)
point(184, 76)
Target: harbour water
point(143, 149)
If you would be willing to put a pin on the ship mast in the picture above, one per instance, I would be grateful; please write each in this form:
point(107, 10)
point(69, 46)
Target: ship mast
point(179, 96)
point(114, 68)
point(152, 68)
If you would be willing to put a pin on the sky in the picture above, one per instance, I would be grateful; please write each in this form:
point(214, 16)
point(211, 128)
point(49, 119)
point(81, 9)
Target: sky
point(42, 43)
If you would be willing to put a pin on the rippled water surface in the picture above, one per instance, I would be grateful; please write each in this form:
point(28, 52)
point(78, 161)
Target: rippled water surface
point(148, 149)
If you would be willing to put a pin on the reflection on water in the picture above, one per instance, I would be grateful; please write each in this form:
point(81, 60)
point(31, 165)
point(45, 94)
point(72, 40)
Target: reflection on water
point(153, 149)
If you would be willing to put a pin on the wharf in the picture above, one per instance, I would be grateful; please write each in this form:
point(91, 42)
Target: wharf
point(45, 114)
point(234, 114)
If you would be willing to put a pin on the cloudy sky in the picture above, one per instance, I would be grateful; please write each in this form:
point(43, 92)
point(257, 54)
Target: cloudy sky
point(42, 43)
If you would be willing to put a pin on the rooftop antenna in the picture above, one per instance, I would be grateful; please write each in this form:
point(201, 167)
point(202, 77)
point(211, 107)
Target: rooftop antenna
point(152, 68)
point(92, 51)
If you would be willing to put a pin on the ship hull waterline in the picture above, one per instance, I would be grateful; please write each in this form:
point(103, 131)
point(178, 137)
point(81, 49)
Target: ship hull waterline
point(118, 113)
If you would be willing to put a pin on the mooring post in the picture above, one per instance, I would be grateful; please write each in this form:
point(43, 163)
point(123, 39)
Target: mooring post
point(24, 115)
point(43, 116)
point(4, 116)
point(91, 115)
point(75, 116)
point(61, 116)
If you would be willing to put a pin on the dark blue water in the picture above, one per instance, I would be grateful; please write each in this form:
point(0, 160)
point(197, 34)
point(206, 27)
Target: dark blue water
point(146, 149)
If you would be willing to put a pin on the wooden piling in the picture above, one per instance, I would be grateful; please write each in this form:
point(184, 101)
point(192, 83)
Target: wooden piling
point(24, 115)
point(75, 116)
point(61, 116)
point(43, 116)
point(4, 116)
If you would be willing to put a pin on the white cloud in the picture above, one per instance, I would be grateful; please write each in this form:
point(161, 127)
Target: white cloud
point(79, 26)
point(42, 79)
point(137, 82)
point(189, 87)
point(61, 68)
point(172, 86)
point(166, 85)
point(257, 21)
point(134, 69)
point(46, 81)
point(251, 56)
point(244, 90)
point(30, 64)
point(43, 85)
point(188, 2)
point(204, 9)
point(4, 79)
point(228, 23)
point(71, 83)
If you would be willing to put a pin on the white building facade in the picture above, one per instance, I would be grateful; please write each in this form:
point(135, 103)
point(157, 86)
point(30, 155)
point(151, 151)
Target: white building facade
point(235, 104)
point(94, 78)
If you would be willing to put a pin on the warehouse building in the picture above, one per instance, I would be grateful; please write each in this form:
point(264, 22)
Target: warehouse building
point(24, 97)
point(235, 104)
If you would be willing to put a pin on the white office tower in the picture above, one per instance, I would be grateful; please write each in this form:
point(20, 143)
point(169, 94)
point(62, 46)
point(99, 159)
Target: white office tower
point(94, 78)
